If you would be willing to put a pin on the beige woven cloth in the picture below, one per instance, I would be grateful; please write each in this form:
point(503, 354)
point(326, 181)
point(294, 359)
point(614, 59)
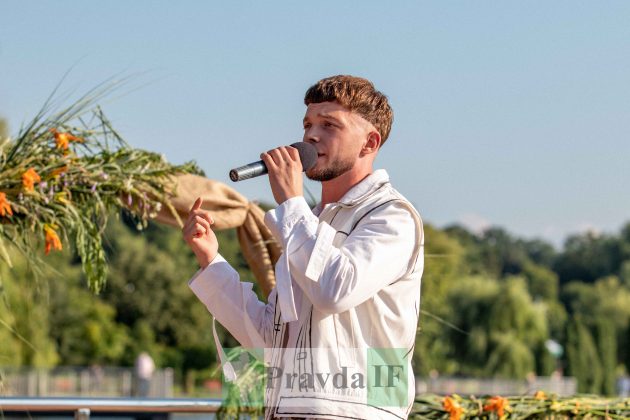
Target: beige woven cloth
point(228, 209)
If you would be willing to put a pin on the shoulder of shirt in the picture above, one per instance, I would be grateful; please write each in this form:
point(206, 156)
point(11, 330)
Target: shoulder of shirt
point(389, 194)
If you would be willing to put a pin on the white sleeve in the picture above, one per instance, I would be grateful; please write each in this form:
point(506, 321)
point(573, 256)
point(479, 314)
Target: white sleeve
point(234, 304)
point(376, 253)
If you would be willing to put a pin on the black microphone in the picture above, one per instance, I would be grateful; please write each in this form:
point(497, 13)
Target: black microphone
point(308, 157)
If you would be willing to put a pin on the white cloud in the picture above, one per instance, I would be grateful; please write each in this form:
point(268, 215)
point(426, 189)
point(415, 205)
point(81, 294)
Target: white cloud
point(588, 227)
point(474, 222)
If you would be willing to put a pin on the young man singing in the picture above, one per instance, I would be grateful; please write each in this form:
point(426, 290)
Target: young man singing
point(340, 325)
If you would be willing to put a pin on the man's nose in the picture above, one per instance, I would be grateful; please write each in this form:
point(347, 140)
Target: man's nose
point(310, 137)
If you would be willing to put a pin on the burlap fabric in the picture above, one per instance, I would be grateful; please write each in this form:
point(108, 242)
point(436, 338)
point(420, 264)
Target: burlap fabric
point(229, 209)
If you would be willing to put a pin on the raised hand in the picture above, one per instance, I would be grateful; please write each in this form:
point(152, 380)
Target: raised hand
point(199, 236)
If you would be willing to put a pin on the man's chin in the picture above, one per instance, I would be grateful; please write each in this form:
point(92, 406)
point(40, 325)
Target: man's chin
point(313, 174)
point(317, 173)
point(322, 174)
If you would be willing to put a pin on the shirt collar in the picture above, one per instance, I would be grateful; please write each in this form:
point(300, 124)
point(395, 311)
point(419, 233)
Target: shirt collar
point(357, 193)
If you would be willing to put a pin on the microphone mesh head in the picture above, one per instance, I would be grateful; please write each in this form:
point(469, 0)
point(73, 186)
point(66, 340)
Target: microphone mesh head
point(308, 154)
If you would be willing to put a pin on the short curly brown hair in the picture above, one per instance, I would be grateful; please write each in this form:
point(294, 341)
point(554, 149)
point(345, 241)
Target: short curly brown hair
point(357, 95)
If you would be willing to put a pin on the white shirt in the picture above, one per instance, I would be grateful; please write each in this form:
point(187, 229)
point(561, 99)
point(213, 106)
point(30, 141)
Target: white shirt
point(347, 281)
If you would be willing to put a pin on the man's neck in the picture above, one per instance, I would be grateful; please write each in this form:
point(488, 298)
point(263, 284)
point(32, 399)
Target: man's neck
point(333, 190)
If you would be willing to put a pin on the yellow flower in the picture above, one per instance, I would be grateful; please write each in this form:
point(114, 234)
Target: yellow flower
point(498, 404)
point(62, 197)
point(52, 239)
point(5, 207)
point(63, 139)
point(540, 395)
point(453, 408)
point(29, 178)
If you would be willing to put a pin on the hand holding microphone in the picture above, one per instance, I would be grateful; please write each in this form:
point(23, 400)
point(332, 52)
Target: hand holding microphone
point(284, 166)
point(308, 157)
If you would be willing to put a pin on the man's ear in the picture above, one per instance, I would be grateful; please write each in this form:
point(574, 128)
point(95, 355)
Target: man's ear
point(372, 144)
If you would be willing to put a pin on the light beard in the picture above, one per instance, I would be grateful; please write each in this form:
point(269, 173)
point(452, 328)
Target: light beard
point(335, 169)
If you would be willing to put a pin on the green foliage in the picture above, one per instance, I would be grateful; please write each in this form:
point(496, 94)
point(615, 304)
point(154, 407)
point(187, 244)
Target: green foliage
point(607, 348)
point(603, 309)
point(443, 265)
point(147, 306)
point(539, 406)
point(503, 328)
point(24, 330)
point(542, 283)
point(64, 173)
point(588, 257)
point(83, 325)
point(582, 357)
point(489, 304)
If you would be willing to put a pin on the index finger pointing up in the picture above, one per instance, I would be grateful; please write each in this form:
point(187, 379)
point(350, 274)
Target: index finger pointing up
point(197, 204)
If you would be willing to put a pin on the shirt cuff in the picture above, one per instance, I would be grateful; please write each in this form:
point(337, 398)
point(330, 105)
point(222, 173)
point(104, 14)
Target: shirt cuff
point(283, 218)
point(219, 270)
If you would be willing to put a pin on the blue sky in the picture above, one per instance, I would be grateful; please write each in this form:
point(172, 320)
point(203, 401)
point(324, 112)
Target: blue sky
point(508, 113)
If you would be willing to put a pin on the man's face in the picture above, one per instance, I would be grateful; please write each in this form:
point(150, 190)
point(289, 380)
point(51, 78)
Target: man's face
point(338, 135)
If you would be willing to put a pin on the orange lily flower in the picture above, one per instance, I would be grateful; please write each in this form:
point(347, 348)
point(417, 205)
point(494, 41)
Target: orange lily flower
point(453, 408)
point(5, 207)
point(63, 139)
point(576, 410)
point(56, 172)
point(540, 395)
point(498, 404)
point(52, 239)
point(29, 178)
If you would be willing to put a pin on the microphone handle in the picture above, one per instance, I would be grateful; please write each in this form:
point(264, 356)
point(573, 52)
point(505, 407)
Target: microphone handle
point(251, 170)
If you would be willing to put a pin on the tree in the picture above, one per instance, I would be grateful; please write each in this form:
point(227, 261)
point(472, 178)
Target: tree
point(540, 252)
point(443, 265)
point(542, 283)
point(588, 257)
point(583, 362)
point(606, 337)
point(24, 328)
point(82, 324)
point(502, 327)
point(607, 301)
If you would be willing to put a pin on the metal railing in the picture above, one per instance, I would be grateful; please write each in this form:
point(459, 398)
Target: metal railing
point(94, 381)
point(562, 386)
point(83, 408)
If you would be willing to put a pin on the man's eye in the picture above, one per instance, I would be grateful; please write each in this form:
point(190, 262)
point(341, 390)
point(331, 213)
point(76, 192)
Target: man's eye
point(327, 124)
point(306, 126)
